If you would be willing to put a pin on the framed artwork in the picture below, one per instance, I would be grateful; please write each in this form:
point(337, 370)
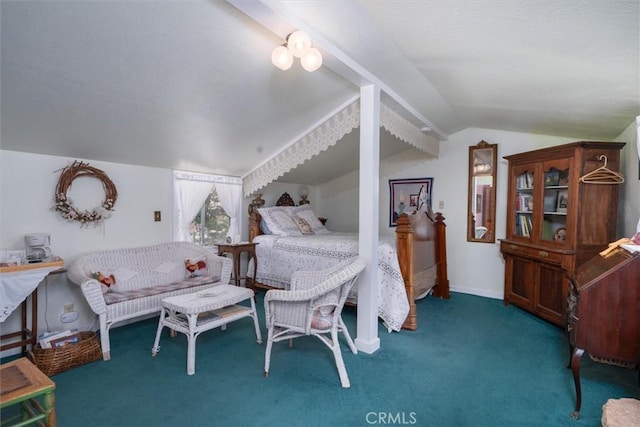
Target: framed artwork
point(563, 201)
point(407, 196)
point(550, 201)
point(551, 178)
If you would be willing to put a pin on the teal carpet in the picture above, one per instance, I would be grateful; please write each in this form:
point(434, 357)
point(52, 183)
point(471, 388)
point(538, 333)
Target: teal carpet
point(473, 362)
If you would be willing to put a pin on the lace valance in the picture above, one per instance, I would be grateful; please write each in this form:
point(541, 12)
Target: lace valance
point(204, 177)
point(328, 134)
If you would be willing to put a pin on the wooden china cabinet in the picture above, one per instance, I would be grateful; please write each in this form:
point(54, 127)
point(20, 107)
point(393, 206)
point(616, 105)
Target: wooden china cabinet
point(556, 222)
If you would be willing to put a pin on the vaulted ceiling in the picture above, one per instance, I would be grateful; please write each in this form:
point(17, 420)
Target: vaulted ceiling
point(189, 84)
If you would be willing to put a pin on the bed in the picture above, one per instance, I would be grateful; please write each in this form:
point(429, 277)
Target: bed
point(409, 268)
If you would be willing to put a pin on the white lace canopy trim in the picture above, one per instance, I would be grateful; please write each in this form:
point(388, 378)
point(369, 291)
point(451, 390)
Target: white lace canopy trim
point(328, 134)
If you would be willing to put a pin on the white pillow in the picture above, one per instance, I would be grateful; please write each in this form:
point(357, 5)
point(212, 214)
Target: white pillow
point(279, 221)
point(310, 217)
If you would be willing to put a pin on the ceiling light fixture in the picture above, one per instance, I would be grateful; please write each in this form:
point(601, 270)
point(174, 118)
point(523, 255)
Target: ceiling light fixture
point(298, 44)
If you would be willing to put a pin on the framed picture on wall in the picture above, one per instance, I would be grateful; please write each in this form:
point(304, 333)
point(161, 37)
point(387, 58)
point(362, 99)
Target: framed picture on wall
point(407, 196)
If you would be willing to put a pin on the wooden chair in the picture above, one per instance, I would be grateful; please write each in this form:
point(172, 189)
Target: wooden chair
point(313, 306)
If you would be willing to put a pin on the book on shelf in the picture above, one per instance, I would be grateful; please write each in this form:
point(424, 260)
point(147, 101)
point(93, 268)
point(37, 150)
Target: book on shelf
point(524, 202)
point(525, 180)
point(525, 225)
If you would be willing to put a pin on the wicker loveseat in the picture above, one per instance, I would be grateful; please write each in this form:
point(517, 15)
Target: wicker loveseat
point(123, 284)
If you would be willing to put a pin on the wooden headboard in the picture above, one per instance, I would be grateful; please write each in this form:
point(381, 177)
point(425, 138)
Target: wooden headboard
point(255, 218)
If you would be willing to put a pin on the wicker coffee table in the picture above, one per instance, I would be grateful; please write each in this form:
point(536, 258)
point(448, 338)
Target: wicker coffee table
point(192, 314)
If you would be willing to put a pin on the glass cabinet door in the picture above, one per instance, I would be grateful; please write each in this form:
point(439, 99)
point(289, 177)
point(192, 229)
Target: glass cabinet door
point(555, 201)
point(523, 221)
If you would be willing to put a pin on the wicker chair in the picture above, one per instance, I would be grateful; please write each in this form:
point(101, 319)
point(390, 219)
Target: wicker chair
point(313, 306)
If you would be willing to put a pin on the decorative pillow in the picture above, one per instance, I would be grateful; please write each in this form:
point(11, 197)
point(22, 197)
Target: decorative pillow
point(303, 225)
point(310, 217)
point(322, 318)
point(279, 221)
point(264, 228)
point(106, 281)
point(196, 267)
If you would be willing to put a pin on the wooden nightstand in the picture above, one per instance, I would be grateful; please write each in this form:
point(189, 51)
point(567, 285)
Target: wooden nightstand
point(235, 249)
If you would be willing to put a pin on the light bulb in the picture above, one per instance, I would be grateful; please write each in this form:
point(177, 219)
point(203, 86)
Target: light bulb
point(312, 60)
point(282, 58)
point(298, 43)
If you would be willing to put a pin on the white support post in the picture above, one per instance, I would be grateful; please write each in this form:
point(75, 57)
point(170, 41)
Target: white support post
point(367, 339)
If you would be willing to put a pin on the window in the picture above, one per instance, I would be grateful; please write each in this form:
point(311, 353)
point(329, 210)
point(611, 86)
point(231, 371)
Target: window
point(206, 208)
point(211, 224)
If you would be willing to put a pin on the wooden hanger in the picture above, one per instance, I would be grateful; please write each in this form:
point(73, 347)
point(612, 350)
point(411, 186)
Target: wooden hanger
point(602, 175)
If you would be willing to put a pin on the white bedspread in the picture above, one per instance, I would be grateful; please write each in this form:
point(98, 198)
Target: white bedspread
point(279, 257)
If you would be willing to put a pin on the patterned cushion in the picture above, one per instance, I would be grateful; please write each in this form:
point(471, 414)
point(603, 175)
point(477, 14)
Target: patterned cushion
point(303, 225)
point(322, 318)
point(279, 221)
point(114, 297)
point(305, 212)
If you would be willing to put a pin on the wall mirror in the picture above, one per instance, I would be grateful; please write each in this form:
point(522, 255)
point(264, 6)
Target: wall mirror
point(481, 226)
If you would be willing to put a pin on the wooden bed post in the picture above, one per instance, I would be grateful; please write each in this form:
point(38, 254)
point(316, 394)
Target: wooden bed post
point(404, 244)
point(441, 289)
point(254, 217)
point(254, 225)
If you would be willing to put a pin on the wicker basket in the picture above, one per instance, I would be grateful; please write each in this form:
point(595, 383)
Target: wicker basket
point(52, 361)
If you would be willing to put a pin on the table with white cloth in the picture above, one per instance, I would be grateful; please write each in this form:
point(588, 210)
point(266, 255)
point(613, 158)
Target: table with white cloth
point(17, 284)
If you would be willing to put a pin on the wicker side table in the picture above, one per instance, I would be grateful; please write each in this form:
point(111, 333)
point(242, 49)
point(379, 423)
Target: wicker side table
point(194, 313)
point(21, 382)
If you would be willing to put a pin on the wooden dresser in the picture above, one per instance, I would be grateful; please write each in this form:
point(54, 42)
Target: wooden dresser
point(604, 312)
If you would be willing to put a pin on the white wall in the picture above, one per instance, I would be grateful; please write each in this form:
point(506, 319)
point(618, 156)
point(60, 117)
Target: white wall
point(630, 191)
point(27, 186)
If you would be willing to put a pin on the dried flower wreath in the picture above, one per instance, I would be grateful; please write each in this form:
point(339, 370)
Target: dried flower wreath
point(65, 205)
